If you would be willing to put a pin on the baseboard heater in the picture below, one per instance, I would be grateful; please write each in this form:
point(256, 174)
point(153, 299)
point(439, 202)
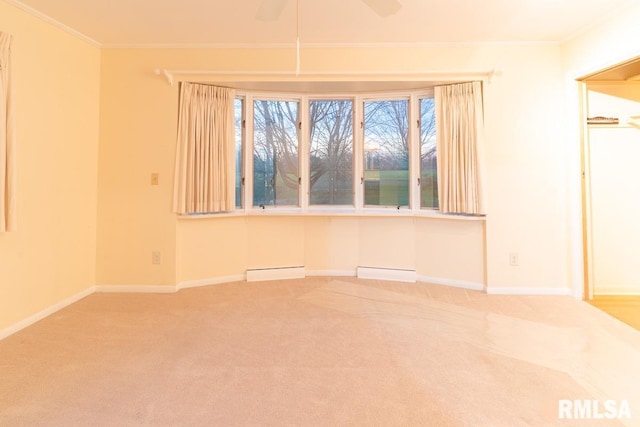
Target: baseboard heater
point(397, 275)
point(282, 273)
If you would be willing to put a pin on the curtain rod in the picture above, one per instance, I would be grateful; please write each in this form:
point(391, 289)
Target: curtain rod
point(489, 74)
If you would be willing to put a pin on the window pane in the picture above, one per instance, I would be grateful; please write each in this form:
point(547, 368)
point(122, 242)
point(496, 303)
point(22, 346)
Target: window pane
point(386, 150)
point(238, 106)
point(331, 152)
point(428, 158)
point(275, 153)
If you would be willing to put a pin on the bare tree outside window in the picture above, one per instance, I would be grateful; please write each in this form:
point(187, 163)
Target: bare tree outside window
point(331, 152)
point(385, 155)
point(275, 153)
point(428, 155)
point(386, 144)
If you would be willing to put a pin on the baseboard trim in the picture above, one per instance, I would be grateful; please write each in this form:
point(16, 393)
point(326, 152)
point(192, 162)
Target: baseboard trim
point(266, 274)
point(331, 273)
point(463, 284)
point(4, 333)
point(213, 281)
point(529, 291)
point(395, 275)
point(135, 289)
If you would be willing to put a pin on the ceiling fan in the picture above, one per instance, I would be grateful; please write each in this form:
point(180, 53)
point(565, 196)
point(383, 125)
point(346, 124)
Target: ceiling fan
point(270, 10)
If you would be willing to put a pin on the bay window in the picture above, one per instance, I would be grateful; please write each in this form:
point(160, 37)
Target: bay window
point(304, 152)
point(359, 153)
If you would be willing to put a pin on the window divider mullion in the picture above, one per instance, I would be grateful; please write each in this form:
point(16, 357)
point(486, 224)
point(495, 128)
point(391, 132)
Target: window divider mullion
point(414, 153)
point(304, 152)
point(248, 153)
point(358, 153)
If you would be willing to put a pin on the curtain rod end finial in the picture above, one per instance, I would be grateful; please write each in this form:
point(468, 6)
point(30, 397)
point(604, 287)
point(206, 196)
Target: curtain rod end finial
point(496, 72)
point(166, 73)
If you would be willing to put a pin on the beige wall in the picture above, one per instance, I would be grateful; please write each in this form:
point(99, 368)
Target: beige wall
point(212, 248)
point(331, 244)
point(525, 161)
point(524, 158)
point(137, 137)
point(51, 256)
point(227, 246)
point(450, 250)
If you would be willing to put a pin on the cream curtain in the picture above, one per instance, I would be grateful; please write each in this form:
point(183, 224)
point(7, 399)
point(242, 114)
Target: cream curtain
point(7, 140)
point(459, 124)
point(205, 163)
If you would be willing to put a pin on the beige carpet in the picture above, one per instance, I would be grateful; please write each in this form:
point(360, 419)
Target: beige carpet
point(317, 352)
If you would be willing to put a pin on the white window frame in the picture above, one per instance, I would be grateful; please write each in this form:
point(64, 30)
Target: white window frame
point(413, 97)
point(243, 171)
point(307, 141)
point(395, 96)
point(418, 149)
point(250, 147)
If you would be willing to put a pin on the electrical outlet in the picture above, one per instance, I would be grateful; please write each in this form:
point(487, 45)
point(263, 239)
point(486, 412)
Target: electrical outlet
point(156, 257)
point(513, 259)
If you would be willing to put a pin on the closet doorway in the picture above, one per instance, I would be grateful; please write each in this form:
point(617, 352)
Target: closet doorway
point(611, 196)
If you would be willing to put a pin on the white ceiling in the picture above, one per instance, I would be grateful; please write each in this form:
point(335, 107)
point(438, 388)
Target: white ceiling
point(219, 22)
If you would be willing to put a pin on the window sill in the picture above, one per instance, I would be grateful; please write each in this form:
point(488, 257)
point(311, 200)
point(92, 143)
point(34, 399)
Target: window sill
point(337, 212)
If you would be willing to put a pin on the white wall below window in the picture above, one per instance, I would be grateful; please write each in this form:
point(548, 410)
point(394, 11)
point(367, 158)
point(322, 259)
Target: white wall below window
point(447, 251)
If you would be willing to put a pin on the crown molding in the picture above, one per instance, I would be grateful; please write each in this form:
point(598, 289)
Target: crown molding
point(49, 20)
point(409, 45)
point(198, 45)
point(414, 45)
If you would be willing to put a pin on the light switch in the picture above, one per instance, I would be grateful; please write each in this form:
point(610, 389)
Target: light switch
point(155, 178)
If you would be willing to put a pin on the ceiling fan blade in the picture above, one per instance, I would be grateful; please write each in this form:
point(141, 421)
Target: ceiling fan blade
point(270, 10)
point(384, 8)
